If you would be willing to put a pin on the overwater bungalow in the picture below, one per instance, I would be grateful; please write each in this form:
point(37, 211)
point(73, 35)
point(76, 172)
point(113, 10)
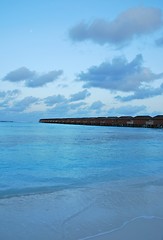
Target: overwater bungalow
point(124, 121)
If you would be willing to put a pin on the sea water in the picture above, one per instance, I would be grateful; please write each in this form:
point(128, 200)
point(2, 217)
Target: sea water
point(36, 157)
point(71, 182)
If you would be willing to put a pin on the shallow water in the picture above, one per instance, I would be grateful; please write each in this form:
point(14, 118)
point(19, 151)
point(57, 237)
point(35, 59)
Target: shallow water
point(44, 158)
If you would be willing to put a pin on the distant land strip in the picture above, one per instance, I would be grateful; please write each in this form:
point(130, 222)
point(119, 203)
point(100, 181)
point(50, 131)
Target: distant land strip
point(3, 121)
point(123, 121)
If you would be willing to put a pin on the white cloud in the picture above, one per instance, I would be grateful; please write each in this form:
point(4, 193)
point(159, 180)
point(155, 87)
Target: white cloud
point(119, 75)
point(142, 93)
point(79, 96)
point(31, 78)
point(133, 22)
point(7, 96)
point(24, 104)
point(51, 100)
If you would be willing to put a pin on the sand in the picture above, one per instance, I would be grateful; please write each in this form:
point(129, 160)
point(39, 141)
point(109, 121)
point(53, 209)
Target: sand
point(114, 211)
point(136, 229)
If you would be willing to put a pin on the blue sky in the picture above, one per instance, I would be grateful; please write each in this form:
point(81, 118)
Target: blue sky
point(68, 58)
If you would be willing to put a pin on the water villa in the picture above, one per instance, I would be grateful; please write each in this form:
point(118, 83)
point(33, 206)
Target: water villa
point(123, 121)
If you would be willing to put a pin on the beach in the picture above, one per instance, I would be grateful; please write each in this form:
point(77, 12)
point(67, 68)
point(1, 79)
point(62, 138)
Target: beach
point(81, 120)
point(114, 211)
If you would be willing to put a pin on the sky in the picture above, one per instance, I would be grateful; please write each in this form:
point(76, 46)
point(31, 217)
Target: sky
point(84, 58)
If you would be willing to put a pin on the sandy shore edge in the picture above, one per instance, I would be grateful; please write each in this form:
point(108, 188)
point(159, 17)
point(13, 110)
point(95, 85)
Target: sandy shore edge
point(141, 228)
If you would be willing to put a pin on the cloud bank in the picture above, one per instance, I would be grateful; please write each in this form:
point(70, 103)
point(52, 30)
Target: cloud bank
point(119, 75)
point(8, 96)
point(24, 104)
point(59, 106)
point(127, 110)
point(129, 24)
point(31, 78)
point(143, 93)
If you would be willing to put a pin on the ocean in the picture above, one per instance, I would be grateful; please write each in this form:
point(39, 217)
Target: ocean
point(102, 177)
point(43, 157)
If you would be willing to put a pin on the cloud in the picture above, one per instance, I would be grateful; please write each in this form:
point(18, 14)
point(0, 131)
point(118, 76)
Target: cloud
point(127, 110)
point(8, 96)
point(95, 109)
point(76, 106)
point(97, 106)
point(118, 75)
point(66, 109)
point(60, 110)
point(39, 81)
point(142, 94)
point(19, 75)
point(79, 96)
point(77, 109)
point(52, 100)
point(159, 42)
point(31, 78)
point(129, 24)
point(60, 99)
point(23, 104)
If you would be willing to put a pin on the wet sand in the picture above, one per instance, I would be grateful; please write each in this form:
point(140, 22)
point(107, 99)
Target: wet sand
point(115, 211)
point(140, 228)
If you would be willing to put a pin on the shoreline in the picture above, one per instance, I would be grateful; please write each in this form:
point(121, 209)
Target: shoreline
point(141, 228)
point(118, 210)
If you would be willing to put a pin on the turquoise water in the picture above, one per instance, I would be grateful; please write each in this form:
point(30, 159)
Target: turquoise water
point(38, 158)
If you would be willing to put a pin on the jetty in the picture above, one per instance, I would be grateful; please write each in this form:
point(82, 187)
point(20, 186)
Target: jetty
point(123, 121)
